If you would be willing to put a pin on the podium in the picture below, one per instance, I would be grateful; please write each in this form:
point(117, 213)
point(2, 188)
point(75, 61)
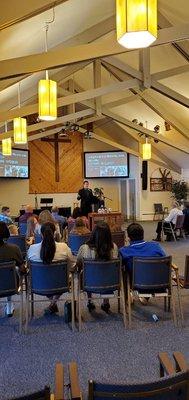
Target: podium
point(113, 219)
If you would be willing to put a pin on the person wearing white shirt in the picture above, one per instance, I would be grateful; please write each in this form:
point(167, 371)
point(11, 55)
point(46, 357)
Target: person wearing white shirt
point(172, 217)
point(48, 251)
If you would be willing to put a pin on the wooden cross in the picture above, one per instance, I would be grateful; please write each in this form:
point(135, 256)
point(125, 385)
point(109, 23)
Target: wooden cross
point(56, 140)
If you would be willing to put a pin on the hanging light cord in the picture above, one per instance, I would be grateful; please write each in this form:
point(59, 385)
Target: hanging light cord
point(47, 23)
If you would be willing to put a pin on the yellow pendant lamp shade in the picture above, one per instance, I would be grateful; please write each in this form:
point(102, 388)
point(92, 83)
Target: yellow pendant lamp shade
point(20, 130)
point(146, 151)
point(136, 22)
point(6, 147)
point(47, 93)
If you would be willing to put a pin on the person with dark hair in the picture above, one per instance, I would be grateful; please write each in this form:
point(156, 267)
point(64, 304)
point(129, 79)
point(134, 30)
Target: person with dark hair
point(87, 198)
point(99, 247)
point(5, 215)
point(48, 251)
point(138, 247)
point(9, 252)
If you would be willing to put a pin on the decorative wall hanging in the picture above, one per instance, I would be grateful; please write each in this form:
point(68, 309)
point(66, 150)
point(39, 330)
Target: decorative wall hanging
point(163, 183)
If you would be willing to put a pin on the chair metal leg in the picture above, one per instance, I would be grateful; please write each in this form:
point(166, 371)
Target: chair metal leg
point(118, 301)
point(165, 303)
point(27, 310)
point(123, 301)
point(21, 311)
point(129, 300)
point(179, 298)
point(73, 303)
point(173, 306)
point(79, 303)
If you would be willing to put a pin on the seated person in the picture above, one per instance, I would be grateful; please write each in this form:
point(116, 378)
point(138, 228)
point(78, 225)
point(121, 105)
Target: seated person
point(79, 227)
point(27, 214)
point(99, 247)
point(138, 247)
point(13, 229)
point(59, 218)
point(186, 220)
point(46, 216)
point(5, 215)
point(32, 229)
point(48, 251)
point(172, 217)
point(76, 213)
point(9, 252)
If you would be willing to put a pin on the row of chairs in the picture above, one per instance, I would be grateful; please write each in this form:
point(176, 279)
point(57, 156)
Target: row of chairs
point(152, 277)
point(173, 383)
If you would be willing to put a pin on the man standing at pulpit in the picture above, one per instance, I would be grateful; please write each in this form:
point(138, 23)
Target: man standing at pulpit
point(87, 198)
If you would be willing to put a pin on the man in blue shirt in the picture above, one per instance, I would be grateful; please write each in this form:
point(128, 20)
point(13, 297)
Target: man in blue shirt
point(5, 215)
point(138, 247)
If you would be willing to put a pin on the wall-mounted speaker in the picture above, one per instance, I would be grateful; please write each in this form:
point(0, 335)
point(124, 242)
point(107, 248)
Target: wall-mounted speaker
point(144, 175)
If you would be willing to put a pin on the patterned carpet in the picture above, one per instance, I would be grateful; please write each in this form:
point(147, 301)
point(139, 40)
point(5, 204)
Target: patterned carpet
point(104, 350)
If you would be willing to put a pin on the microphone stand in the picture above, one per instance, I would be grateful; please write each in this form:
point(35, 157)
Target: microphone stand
point(36, 201)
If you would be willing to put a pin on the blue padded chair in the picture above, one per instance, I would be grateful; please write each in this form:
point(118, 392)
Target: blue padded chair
point(173, 384)
point(20, 241)
point(10, 284)
point(151, 277)
point(75, 241)
point(45, 280)
point(22, 228)
point(102, 278)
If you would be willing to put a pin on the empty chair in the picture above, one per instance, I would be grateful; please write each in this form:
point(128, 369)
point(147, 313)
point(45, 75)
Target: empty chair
point(102, 278)
point(11, 284)
point(173, 384)
point(152, 278)
point(22, 228)
point(159, 211)
point(169, 230)
point(19, 240)
point(75, 241)
point(46, 280)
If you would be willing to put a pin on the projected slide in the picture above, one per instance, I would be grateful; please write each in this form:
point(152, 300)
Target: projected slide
point(106, 164)
point(14, 166)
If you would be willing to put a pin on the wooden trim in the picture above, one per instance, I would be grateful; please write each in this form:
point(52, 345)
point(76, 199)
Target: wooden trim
point(166, 366)
point(74, 382)
point(59, 382)
point(181, 364)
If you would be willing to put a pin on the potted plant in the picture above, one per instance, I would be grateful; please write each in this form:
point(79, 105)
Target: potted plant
point(179, 190)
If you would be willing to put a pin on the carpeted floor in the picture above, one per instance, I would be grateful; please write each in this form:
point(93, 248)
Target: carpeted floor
point(104, 350)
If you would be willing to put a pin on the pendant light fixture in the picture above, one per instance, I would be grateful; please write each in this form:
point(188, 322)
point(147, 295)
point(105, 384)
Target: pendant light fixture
point(47, 94)
point(136, 23)
point(6, 145)
point(20, 126)
point(146, 150)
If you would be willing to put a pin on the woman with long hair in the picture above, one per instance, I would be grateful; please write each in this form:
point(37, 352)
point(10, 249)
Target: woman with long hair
point(46, 216)
point(79, 227)
point(9, 252)
point(76, 214)
point(32, 229)
point(48, 251)
point(99, 247)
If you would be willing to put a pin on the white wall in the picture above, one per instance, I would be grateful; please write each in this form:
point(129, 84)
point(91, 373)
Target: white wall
point(148, 198)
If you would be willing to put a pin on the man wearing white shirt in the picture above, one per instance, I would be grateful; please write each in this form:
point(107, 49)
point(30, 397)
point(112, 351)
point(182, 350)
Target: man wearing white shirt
point(172, 217)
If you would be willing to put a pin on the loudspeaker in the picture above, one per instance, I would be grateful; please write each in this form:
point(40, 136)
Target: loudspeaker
point(144, 175)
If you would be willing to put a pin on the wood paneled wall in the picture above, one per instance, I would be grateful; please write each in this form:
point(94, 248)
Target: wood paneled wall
point(42, 166)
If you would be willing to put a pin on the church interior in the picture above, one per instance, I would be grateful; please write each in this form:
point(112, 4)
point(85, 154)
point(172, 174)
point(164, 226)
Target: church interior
point(87, 109)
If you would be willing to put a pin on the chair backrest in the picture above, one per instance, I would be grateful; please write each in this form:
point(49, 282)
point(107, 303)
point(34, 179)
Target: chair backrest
point(22, 228)
point(8, 279)
point(101, 276)
point(40, 395)
point(180, 221)
point(20, 241)
point(49, 279)
point(158, 207)
point(75, 241)
point(186, 273)
point(174, 387)
point(151, 273)
point(71, 225)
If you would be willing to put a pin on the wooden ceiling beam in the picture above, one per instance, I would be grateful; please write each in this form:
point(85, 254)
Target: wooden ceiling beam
point(54, 59)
